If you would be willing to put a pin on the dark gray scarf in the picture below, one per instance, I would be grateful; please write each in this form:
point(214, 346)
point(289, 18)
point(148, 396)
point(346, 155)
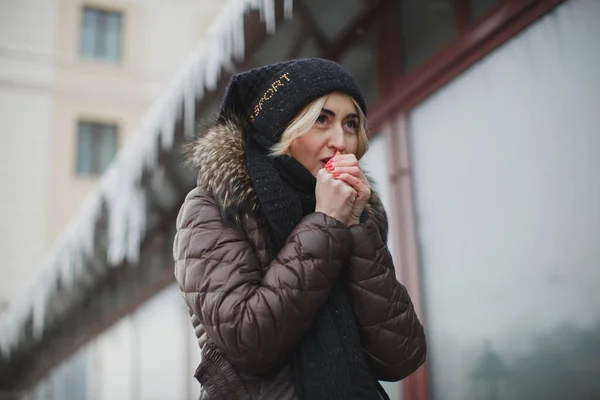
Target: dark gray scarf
point(328, 363)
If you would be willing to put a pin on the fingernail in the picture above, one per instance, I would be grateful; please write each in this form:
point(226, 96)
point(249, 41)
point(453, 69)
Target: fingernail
point(336, 175)
point(329, 168)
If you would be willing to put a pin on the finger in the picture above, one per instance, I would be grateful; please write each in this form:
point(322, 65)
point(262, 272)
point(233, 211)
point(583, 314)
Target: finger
point(355, 171)
point(347, 170)
point(323, 175)
point(355, 183)
point(344, 156)
point(350, 161)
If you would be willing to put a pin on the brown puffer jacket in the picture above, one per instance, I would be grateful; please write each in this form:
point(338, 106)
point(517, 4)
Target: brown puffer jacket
point(250, 313)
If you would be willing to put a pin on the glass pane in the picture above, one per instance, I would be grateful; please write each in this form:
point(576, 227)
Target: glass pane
point(88, 33)
point(506, 160)
point(425, 27)
point(101, 34)
point(277, 47)
point(309, 49)
point(59, 390)
point(477, 8)
point(163, 319)
point(116, 362)
point(77, 378)
point(360, 61)
point(107, 146)
point(333, 16)
point(43, 391)
point(113, 37)
point(84, 149)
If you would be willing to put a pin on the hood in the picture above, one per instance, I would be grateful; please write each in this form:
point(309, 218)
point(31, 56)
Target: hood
point(219, 158)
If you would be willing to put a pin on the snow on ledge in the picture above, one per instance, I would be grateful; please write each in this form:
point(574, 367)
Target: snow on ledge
point(119, 187)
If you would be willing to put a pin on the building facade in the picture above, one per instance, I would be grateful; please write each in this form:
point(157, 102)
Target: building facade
point(484, 149)
point(76, 77)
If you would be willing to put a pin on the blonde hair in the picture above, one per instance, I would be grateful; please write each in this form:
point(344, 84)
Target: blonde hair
point(305, 120)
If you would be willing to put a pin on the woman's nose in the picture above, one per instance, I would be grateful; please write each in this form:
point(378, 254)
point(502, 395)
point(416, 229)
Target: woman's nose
point(337, 138)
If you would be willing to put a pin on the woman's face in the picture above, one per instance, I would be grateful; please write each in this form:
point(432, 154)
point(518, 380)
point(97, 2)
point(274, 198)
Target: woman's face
point(336, 129)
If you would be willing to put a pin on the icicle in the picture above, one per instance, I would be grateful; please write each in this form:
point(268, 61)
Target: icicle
point(240, 48)
point(167, 133)
point(39, 308)
point(137, 226)
point(268, 10)
point(189, 113)
point(200, 78)
point(288, 9)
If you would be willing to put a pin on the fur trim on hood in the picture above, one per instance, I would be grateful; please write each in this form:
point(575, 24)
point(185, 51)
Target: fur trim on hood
point(219, 158)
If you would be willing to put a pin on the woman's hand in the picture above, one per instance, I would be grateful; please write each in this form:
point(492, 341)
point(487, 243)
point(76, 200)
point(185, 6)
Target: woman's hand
point(345, 167)
point(334, 197)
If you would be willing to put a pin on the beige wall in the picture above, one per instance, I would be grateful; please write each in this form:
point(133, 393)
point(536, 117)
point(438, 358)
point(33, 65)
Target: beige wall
point(46, 87)
point(157, 37)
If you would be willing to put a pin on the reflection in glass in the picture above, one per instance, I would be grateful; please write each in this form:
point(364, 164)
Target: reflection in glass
point(101, 34)
point(333, 16)
point(277, 47)
point(477, 8)
point(360, 61)
point(426, 26)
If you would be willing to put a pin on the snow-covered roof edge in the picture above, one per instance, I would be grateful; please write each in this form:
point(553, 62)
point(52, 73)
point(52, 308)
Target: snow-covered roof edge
point(119, 186)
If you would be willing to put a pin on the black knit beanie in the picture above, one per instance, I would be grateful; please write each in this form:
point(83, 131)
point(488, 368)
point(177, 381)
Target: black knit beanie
point(270, 97)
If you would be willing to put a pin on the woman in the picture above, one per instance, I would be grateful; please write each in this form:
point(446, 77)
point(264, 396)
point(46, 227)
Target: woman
point(280, 249)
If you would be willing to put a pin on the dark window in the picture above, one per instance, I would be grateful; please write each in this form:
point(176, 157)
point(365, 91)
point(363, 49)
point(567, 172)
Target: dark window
point(477, 8)
point(96, 147)
point(426, 26)
point(360, 62)
point(332, 17)
point(101, 34)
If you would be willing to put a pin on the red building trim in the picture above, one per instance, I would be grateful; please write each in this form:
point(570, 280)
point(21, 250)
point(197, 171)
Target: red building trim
point(416, 387)
point(462, 16)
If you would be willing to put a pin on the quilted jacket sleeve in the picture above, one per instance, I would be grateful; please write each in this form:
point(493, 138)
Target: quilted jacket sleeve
point(390, 331)
point(255, 320)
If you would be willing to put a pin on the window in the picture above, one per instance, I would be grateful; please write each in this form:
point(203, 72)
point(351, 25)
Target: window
point(426, 26)
point(328, 18)
point(478, 8)
point(96, 147)
point(505, 162)
point(359, 61)
point(101, 34)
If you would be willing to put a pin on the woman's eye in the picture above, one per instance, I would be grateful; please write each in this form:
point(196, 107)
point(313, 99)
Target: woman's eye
point(322, 119)
point(352, 124)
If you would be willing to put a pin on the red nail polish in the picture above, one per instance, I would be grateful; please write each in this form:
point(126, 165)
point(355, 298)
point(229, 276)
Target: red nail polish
point(329, 168)
point(336, 175)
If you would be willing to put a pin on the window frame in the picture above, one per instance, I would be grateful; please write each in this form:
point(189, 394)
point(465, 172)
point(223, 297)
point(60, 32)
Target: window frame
point(104, 13)
point(95, 126)
point(475, 40)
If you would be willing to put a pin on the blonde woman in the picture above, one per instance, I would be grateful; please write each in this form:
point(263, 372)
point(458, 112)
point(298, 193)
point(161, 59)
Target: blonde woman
point(281, 248)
